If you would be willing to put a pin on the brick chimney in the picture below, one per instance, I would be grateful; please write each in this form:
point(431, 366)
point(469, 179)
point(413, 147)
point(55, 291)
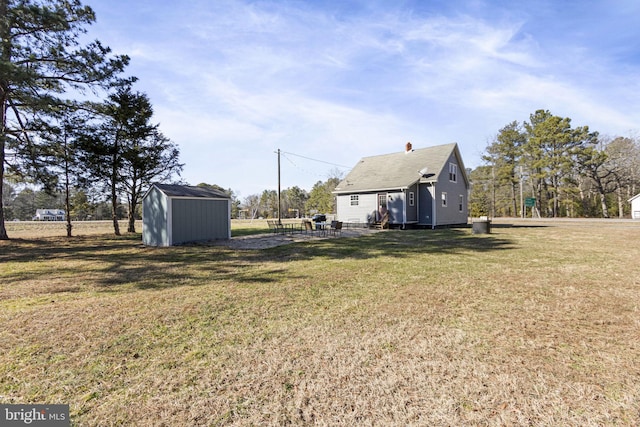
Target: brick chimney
point(408, 148)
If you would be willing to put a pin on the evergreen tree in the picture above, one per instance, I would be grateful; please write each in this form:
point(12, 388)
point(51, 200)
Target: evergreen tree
point(125, 152)
point(40, 60)
point(504, 155)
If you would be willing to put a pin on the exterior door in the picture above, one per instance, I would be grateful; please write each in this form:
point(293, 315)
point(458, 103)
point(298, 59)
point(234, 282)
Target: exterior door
point(382, 206)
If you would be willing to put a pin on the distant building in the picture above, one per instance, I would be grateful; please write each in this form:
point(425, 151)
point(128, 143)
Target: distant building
point(49, 215)
point(635, 206)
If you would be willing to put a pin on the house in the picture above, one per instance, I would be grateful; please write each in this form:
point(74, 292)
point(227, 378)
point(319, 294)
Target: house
point(177, 214)
point(425, 187)
point(49, 215)
point(635, 206)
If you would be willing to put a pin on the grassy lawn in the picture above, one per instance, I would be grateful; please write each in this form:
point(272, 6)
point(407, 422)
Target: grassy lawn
point(534, 324)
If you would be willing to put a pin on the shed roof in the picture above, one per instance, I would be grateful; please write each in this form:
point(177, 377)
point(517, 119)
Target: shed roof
point(173, 190)
point(399, 170)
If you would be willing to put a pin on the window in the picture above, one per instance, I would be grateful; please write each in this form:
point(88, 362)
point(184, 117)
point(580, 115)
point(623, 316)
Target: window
point(444, 200)
point(461, 203)
point(412, 198)
point(453, 172)
point(355, 201)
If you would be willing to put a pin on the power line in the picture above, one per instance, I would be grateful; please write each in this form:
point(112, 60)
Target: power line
point(316, 160)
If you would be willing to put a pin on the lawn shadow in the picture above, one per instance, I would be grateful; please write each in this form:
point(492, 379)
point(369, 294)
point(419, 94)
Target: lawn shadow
point(108, 262)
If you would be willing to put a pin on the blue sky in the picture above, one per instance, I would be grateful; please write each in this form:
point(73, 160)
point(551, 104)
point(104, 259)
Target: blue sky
point(233, 81)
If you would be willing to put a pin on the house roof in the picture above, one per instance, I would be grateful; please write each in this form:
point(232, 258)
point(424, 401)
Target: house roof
point(400, 170)
point(172, 190)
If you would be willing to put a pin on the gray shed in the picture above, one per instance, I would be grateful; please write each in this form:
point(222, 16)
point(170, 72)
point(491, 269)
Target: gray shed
point(177, 214)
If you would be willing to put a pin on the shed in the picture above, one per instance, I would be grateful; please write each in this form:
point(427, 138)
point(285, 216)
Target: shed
point(635, 206)
point(178, 214)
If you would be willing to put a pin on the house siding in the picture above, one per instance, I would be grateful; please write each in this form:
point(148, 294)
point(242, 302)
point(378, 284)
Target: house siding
point(199, 220)
point(155, 213)
point(412, 211)
point(425, 204)
point(367, 205)
point(450, 215)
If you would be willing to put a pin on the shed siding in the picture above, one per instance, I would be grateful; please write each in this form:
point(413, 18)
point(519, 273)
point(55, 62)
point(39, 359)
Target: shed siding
point(199, 220)
point(154, 214)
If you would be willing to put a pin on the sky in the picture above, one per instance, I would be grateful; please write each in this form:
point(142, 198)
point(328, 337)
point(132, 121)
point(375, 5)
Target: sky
point(330, 82)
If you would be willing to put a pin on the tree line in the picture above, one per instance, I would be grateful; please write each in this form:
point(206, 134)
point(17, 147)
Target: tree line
point(69, 118)
point(294, 201)
point(545, 167)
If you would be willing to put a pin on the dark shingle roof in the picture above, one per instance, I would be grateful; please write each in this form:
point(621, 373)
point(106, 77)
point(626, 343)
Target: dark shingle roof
point(172, 190)
point(396, 170)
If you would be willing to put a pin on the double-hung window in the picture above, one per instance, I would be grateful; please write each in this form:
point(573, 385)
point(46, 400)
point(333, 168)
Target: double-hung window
point(355, 200)
point(453, 172)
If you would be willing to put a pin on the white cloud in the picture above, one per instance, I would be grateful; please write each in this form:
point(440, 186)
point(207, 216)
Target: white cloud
point(233, 80)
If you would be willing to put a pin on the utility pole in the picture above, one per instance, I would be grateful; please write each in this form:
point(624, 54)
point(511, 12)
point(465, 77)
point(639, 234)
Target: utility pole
point(279, 216)
point(522, 208)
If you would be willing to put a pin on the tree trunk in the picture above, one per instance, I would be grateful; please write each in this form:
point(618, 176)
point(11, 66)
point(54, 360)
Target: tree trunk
point(514, 195)
point(620, 203)
point(114, 203)
point(603, 204)
point(4, 96)
point(132, 211)
point(67, 204)
point(3, 230)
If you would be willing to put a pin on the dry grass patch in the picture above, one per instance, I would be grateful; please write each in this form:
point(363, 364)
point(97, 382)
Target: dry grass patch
point(526, 326)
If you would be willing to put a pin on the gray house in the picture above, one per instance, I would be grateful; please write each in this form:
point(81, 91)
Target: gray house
point(425, 187)
point(177, 214)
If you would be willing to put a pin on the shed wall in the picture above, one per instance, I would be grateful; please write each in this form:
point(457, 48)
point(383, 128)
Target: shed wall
point(154, 219)
point(200, 220)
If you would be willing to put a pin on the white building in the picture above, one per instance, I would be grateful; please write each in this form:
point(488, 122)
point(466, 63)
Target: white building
point(49, 215)
point(635, 206)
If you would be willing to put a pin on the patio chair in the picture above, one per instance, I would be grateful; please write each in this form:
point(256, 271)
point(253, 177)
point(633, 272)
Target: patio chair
point(275, 226)
point(308, 228)
point(336, 228)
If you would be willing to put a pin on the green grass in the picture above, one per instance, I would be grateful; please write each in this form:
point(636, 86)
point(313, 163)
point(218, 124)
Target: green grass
point(535, 324)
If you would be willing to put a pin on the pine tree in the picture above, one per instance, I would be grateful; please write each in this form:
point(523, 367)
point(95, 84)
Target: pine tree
point(41, 59)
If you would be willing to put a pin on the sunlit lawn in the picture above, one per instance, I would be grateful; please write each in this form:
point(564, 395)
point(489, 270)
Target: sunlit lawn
point(534, 324)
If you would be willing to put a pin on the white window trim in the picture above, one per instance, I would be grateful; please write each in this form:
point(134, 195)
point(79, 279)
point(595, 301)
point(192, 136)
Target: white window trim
point(444, 199)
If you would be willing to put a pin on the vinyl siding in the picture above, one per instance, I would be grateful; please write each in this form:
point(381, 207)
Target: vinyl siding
point(199, 220)
point(154, 219)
